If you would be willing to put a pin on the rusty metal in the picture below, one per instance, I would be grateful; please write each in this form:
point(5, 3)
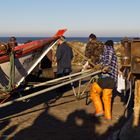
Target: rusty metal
point(135, 56)
point(131, 55)
point(126, 59)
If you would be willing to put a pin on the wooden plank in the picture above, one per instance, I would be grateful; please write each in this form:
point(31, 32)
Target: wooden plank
point(136, 103)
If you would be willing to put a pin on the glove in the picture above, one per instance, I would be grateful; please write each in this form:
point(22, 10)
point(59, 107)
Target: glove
point(105, 69)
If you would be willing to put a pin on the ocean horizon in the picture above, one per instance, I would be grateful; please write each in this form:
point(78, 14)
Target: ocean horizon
point(81, 39)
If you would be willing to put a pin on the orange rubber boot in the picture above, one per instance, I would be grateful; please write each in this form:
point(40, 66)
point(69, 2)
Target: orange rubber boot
point(95, 97)
point(107, 95)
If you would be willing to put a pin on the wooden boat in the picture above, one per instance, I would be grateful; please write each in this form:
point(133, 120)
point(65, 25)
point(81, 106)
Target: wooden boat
point(27, 57)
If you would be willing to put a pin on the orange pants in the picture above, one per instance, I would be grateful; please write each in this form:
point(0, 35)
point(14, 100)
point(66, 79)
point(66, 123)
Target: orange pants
point(95, 96)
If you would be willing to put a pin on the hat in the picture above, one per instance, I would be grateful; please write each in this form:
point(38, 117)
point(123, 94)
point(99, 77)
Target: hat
point(93, 36)
point(109, 43)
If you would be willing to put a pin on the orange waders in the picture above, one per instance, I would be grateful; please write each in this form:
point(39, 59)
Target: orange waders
point(95, 95)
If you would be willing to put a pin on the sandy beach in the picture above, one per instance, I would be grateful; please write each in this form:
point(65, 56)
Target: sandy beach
point(58, 115)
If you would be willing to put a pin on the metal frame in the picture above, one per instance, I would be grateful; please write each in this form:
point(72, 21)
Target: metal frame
point(77, 76)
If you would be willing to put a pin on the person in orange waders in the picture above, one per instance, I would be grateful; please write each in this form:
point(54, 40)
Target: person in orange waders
point(106, 82)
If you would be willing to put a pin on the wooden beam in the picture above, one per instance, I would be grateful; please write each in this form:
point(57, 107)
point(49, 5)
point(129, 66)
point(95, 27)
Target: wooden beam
point(136, 103)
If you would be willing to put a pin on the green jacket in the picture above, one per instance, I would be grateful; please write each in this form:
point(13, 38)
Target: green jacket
point(93, 50)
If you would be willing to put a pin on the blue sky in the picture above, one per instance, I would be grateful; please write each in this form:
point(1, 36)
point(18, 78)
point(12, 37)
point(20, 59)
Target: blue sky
point(80, 17)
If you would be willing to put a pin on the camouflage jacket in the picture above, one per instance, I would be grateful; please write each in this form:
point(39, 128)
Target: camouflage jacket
point(93, 50)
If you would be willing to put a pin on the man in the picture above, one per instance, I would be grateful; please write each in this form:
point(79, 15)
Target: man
point(94, 49)
point(106, 82)
point(64, 55)
point(11, 44)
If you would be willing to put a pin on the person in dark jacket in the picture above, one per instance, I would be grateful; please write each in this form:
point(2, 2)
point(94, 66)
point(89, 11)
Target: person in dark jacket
point(64, 55)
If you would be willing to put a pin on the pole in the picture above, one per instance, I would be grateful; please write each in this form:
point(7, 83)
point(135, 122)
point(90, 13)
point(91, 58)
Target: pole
point(59, 79)
point(136, 103)
point(84, 57)
point(48, 89)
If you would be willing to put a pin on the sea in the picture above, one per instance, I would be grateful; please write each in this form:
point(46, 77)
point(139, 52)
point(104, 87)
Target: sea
point(80, 39)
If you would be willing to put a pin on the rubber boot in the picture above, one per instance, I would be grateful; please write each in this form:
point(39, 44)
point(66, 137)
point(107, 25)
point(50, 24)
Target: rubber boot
point(107, 95)
point(95, 97)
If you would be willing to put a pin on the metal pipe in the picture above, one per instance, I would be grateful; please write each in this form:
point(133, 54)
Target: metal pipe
point(58, 79)
point(48, 89)
point(76, 50)
point(79, 88)
point(39, 59)
point(130, 94)
point(73, 89)
point(83, 92)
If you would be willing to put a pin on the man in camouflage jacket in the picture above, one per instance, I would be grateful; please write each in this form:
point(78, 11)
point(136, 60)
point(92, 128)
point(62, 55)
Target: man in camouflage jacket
point(94, 49)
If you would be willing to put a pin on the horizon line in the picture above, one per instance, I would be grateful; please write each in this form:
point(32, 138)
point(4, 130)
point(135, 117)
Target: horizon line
point(72, 36)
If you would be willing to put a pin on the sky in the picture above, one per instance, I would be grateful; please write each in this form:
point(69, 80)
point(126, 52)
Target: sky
point(105, 18)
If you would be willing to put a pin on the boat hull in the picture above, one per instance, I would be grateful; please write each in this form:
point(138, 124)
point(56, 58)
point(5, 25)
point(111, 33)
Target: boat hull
point(27, 57)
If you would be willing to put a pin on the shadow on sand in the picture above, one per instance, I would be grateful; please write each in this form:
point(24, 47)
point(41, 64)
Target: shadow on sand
point(78, 125)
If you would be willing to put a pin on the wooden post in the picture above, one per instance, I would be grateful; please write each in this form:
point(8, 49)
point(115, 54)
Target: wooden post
point(136, 103)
